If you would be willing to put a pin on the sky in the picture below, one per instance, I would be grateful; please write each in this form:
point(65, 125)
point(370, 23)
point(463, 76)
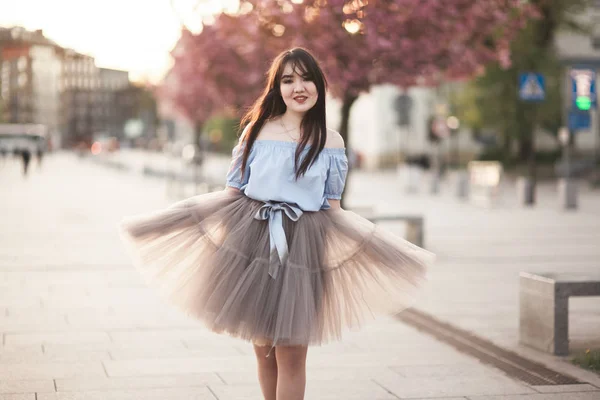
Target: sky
point(133, 35)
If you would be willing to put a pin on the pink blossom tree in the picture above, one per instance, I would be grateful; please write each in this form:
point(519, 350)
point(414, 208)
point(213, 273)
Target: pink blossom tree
point(221, 69)
point(360, 43)
point(403, 42)
point(184, 85)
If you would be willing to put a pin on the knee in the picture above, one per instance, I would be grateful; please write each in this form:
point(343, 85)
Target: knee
point(264, 359)
point(291, 359)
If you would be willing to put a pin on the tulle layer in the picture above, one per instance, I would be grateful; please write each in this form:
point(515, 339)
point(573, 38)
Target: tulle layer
point(211, 257)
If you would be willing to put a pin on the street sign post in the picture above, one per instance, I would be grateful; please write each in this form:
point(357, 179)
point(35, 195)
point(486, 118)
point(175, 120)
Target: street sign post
point(579, 120)
point(532, 87)
point(584, 99)
point(583, 88)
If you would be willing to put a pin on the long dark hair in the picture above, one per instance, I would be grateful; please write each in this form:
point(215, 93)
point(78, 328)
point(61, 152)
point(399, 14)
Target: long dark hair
point(313, 128)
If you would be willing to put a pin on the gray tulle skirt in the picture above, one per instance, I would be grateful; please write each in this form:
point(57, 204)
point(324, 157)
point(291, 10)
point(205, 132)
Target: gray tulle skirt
point(211, 257)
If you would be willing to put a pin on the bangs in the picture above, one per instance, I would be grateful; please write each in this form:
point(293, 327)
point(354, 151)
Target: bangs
point(301, 64)
point(299, 67)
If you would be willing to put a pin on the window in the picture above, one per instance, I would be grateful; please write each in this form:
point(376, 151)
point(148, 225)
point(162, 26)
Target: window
point(22, 63)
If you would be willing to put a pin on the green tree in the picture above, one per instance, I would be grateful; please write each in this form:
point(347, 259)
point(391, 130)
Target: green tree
point(222, 131)
point(491, 100)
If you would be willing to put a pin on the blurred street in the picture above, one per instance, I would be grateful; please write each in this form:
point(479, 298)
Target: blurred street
point(77, 323)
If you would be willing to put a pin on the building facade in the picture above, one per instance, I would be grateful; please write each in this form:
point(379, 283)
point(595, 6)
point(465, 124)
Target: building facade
point(79, 114)
point(110, 115)
point(30, 68)
point(384, 135)
point(43, 83)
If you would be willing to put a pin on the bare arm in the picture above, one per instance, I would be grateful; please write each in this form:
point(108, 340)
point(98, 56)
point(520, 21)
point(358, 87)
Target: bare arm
point(334, 140)
point(335, 204)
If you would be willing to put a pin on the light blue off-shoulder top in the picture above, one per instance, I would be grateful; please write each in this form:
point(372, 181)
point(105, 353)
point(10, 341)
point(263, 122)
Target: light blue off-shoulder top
point(270, 175)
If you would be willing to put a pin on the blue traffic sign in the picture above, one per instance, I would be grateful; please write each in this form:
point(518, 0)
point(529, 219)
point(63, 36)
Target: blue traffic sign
point(583, 88)
point(579, 120)
point(532, 87)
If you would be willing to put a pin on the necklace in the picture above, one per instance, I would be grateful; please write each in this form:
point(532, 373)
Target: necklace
point(285, 130)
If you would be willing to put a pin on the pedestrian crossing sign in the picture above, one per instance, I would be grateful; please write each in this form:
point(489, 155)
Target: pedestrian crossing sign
point(532, 87)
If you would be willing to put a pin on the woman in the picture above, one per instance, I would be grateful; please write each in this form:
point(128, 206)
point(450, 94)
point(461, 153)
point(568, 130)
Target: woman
point(273, 259)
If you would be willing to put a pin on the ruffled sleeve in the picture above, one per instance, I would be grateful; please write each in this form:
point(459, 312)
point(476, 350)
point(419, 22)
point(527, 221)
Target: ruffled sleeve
point(336, 175)
point(234, 175)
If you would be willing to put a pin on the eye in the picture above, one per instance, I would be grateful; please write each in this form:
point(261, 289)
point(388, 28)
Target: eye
point(307, 78)
point(286, 81)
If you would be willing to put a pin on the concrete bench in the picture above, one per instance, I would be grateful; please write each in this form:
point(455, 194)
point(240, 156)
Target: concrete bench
point(544, 308)
point(415, 231)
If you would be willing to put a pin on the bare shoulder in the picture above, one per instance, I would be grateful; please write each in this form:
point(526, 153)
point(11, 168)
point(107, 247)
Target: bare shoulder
point(269, 130)
point(334, 139)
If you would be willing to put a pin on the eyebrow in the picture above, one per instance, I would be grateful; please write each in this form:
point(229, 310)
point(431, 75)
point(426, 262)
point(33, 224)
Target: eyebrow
point(290, 76)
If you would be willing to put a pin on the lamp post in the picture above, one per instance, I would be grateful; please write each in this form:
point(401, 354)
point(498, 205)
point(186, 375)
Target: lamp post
point(462, 179)
point(188, 153)
point(453, 124)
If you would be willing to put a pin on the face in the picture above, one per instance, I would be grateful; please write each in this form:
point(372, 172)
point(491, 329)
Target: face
point(298, 93)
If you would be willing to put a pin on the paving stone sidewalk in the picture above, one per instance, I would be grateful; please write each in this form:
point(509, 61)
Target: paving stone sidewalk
point(77, 322)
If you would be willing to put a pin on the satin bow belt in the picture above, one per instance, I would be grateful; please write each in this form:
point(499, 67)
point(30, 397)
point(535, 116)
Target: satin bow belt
point(279, 247)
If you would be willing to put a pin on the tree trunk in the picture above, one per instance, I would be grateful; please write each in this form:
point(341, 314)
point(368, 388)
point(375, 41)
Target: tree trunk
point(508, 146)
point(198, 134)
point(527, 128)
point(525, 147)
point(347, 103)
point(526, 123)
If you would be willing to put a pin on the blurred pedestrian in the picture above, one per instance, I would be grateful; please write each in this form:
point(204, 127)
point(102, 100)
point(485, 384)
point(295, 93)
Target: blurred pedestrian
point(273, 259)
point(26, 158)
point(40, 154)
point(3, 154)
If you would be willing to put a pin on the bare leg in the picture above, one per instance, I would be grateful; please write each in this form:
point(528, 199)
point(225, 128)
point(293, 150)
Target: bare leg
point(267, 371)
point(291, 369)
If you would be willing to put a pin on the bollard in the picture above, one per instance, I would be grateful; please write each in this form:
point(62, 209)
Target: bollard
point(412, 179)
point(567, 194)
point(525, 191)
point(462, 185)
point(435, 183)
point(567, 188)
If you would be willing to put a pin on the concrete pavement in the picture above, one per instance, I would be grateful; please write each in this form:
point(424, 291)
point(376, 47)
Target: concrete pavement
point(77, 322)
point(480, 251)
